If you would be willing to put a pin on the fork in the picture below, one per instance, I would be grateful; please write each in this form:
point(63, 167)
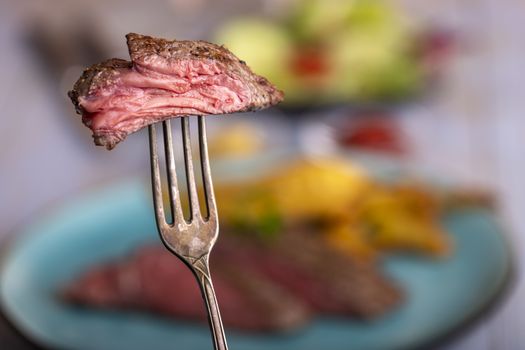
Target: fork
point(191, 240)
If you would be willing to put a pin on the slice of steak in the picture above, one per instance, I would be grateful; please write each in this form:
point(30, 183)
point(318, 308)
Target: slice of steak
point(267, 306)
point(154, 280)
point(358, 287)
point(328, 281)
point(165, 79)
point(261, 286)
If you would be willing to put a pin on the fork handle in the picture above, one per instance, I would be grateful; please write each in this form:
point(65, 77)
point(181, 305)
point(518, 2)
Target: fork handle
point(214, 316)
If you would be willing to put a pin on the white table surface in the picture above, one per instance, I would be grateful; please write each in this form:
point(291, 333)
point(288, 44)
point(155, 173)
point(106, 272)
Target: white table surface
point(473, 132)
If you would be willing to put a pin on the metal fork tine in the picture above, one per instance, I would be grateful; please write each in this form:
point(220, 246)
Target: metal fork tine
point(155, 175)
point(206, 172)
point(190, 175)
point(176, 209)
point(192, 243)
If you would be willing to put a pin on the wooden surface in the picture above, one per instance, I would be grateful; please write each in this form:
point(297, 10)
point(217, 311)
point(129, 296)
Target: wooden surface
point(473, 132)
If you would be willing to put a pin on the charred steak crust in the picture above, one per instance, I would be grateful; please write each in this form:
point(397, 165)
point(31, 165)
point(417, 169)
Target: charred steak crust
point(142, 46)
point(166, 79)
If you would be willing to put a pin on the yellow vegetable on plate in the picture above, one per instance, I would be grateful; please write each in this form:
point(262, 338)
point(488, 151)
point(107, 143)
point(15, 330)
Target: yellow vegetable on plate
point(346, 208)
point(318, 188)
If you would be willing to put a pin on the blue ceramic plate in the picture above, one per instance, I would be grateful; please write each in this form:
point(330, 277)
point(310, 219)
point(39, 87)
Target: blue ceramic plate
point(442, 295)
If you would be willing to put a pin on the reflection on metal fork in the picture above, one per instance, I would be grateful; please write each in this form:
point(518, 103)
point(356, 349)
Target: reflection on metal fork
point(191, 240)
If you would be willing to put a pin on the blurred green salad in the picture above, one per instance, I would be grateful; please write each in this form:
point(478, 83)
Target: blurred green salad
point(332, 51)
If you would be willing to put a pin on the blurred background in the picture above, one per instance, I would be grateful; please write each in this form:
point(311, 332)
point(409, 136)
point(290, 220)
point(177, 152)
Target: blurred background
point(433, 85)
